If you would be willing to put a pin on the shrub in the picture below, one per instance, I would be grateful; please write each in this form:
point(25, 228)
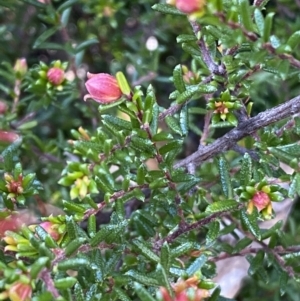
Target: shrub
point(188, 136)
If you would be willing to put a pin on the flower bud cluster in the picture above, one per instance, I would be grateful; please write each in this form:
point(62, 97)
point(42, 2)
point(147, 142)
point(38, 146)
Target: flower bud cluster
point(223, 108)
point(78, 177)
point(48, 80)
point(260, 196)
point(185, 290)
point(18, 284)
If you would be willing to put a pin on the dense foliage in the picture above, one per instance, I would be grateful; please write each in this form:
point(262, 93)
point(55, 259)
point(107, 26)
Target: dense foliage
point(144, 143)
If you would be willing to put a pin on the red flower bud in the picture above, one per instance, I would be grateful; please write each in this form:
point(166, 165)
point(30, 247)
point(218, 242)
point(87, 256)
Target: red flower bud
point(190, 6)
point(9, 137)
point(261, 200)
point(20, 292)
point(50, 229)
point(55, 76)
point(102, 88)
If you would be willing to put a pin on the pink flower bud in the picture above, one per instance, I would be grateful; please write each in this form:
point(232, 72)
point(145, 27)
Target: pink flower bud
point(9, 137)
point(3, 107)
point(55, 76)
point(190, 6)
point(261, 200)
point(20, 292)
point(51, 230)
point(102, 88)
point(21, 67)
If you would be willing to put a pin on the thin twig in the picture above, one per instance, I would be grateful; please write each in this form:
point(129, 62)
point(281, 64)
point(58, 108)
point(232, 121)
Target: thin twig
point(185, 228)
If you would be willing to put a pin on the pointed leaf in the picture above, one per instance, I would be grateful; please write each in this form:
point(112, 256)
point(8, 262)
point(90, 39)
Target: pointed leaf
point(251, 222)
point(167, 9)
point(225, 177)
point(246, 170)
point(219, 206)
point(178, 79)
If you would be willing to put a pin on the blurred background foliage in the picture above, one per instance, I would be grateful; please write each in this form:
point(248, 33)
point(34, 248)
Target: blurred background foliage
point(109, 36)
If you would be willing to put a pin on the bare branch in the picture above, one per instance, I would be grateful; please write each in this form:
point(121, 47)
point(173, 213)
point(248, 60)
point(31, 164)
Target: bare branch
point(246, 128)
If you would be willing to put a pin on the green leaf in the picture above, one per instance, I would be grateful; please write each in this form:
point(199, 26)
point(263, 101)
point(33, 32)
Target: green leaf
point(294, 186)
point(144, 250)
point(116, 122)
point(225, 177)
point(44, 36)
point(294, 40)
point(165, 256)
point(178, 79)
point(191, 49)
point(65, 283)
point(10, 155)
point(73, 264)
point(255, 262)
point(242, 244)
point(246, 170)
point(183, 120)
point(37, 266)
point(143, 145)
point(74, 245)
point(283, 282)
point(141, 278)
point(220, 206)
point(72, 227)
point(182, 249)
point(66, 5)
point(162, 274)
point(72, 207)
point(245, 13)
point(173, 124)
point(167, 9)
point(186, 38)
point(121, 294)
point(196, 265)
point(259, 21)
point(213, 232)
point(82, 46)
point(91, 227)
point(35, 3)
point(250, 221)
point(268, 27)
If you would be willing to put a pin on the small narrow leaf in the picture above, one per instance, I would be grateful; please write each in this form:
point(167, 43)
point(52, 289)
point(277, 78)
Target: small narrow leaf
point(165, 256)
point(225, 177)
point(245, 13)
point(44, 36)
point(251, 222)
point(213, 232)
point(268, 27)
point(167, 9)
point(221, 206)
point(294, 40)
point(259, 21)
point(196, 265)
point(144, 250)
point(173, 124)
point(66, 5)
point(85, 44)
point(246, 170)
point(183, 120)
point(178, 79)
point(141, 278)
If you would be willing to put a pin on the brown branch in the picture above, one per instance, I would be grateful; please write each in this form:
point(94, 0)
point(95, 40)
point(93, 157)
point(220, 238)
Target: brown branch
point(184, 228)
point(244, 129)
point(45, 276)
